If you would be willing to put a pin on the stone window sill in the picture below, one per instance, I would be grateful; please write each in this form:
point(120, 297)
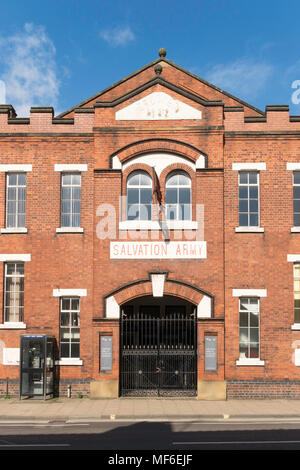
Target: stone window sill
point(13, 326)
point(249, 229)
point(14, 230)
point(295, 229)
point(155, 225)
point(69, 362)
point(295, 326)
point(69, 230)
point(250, 362)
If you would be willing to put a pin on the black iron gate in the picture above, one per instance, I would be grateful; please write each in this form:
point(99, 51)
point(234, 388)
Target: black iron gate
point(158, 352)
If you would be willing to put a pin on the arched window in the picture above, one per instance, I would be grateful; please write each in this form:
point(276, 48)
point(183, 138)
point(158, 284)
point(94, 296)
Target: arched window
point(139, 196)
point(178, 196)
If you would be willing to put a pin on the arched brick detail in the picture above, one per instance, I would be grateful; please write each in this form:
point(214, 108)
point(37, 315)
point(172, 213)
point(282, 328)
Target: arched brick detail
point(131, 169)
point(172, 287)
point(162, 180)
point(183, 291)
point(158, 145)
point(134, 291)
point(176, 167)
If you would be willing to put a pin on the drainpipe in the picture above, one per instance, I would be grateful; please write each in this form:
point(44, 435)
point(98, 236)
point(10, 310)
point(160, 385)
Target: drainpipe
point(69, 391)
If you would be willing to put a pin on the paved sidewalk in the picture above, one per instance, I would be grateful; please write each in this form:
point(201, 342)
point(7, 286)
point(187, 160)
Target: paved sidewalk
point(145, 409)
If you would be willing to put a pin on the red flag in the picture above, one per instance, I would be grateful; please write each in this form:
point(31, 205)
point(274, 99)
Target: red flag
point(156, 187)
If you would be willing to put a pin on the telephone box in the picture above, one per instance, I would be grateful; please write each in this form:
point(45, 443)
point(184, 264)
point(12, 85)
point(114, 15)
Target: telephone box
point(37, 366)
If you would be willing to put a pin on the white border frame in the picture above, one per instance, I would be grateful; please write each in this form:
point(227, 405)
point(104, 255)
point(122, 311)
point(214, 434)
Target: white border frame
point(70, 167)
point(249, 166)
point(249, 292)
point(15, 257)
point(69, 292)
point(250, 228)
point(293, 166)
point(294, 259)
point(15, 168)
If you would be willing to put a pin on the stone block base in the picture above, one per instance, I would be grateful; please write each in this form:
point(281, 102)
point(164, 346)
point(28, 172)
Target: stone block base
point(104, 389)
point(211, 390)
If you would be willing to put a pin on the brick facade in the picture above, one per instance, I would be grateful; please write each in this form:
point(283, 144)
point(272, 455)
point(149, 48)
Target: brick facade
point(229, 132)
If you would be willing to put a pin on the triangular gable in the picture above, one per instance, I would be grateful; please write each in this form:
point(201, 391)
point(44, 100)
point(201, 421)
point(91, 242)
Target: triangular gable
point(188, 81)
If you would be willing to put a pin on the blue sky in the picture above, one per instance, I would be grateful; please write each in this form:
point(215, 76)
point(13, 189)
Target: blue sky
point(59, 53)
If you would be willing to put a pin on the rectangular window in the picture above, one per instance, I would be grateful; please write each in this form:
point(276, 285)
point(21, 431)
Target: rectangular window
point(296, 198)
point(248, 199)
point(15, 200)
point(69, 327)
point(14, 292)
point(249, 327)
point(70, 199)
point(297, 293)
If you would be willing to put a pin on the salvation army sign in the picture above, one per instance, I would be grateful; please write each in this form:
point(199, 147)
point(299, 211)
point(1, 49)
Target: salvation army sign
point(158, 250)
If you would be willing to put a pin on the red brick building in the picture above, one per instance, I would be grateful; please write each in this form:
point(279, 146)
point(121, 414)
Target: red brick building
point(182, 280)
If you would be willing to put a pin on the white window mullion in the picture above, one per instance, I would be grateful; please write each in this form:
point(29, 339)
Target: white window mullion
point(70, 186)
point(17, 186)
point(248, 181)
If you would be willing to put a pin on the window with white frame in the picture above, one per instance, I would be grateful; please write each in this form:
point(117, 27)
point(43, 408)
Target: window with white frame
point(139, 196)
point(296, 198)
point(69, 327)
point(249, 326)
point(13, 292)
point(297, 293)
point(178, 196)
point(15, 200)
point(248, 199)
point(70, 199)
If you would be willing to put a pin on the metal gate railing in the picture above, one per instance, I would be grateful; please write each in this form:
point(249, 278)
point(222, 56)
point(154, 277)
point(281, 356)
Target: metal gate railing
point(158, 354)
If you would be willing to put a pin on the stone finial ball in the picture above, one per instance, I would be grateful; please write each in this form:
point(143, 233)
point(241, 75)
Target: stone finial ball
point(162, 52)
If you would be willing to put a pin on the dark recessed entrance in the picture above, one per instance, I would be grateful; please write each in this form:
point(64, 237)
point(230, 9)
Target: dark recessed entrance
point(158, 348)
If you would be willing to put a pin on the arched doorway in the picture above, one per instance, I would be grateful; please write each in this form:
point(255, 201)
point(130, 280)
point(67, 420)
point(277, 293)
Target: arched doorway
point(158, 347)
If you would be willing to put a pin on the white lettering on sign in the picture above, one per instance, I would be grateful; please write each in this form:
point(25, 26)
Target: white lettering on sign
point(154, 250)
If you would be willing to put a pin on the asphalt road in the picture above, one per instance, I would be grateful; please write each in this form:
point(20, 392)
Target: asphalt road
point(166, 437)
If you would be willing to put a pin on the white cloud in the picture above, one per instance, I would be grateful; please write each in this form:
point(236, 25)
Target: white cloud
point(28, 68)
point(242, 77)
point(118, 36)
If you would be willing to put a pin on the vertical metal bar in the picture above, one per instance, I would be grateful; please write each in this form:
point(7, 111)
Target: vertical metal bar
point(169, 332)
point(20, 367)
point(195, 353)
point(142, 329)
point(186, 332)
point(191, 331)
point(44, 367)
